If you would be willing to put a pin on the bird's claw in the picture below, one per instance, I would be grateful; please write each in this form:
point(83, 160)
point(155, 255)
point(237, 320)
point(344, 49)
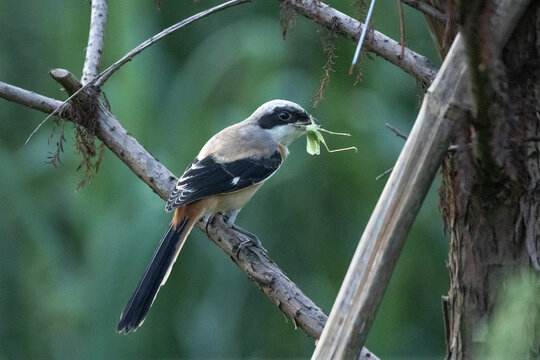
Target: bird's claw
point(252, 240)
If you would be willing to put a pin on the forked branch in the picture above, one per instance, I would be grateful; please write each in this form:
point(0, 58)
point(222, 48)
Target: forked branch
point(101, 78)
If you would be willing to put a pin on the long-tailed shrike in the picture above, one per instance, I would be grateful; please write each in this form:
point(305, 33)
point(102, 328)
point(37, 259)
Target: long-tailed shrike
point(229, 169)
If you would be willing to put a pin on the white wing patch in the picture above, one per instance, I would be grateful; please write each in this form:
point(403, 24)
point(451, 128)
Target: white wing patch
point(196, 166)
point(235, 180)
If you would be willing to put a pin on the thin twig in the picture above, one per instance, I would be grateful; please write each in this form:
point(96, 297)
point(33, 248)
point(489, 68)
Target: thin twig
point(396, 131)
point(427, 9)
point(398, 134)
point(451, 148)
point(104, 75)
point(94, 49)
point(405, 137)
point(401, 27)
point(412, 63)
point(384, 173)
point(99, 80)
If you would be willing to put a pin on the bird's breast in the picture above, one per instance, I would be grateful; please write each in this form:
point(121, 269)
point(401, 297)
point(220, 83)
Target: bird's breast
point(231, 201)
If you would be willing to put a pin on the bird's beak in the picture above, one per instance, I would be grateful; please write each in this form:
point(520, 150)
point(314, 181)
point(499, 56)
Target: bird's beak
point(307, 122)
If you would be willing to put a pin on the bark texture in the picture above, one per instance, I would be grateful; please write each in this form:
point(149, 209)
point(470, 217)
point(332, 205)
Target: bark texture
point(490, 194)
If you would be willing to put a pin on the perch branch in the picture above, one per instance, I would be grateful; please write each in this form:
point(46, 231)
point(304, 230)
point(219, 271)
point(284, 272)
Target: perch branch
point(253, 260)
point(412, 63)
point(96, 34)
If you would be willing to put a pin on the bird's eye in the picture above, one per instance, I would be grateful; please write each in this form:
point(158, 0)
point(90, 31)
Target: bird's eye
point(284, 115)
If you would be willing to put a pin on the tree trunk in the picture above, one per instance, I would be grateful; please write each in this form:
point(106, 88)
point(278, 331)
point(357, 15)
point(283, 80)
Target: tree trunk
point(490, 194)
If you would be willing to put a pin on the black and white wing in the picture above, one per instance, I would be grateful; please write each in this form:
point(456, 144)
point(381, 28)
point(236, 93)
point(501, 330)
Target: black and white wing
point(206, 177)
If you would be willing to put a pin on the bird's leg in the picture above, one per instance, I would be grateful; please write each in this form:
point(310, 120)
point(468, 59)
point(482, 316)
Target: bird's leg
point(206, 220)
point(252, 239)
point(229, 217)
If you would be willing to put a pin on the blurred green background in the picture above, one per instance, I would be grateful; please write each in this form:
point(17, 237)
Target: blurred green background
point(69, 259)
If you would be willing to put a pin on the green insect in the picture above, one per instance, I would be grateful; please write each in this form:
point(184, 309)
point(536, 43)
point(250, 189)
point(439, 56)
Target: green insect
point(315, 138)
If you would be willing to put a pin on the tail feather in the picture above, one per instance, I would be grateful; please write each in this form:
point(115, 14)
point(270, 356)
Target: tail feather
point(154, 277)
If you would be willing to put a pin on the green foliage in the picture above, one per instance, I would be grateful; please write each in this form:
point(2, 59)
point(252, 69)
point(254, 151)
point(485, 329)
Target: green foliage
point(70, 258)
point(514, 332)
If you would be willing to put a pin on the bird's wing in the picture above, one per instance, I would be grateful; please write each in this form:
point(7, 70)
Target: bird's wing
point(206, 177)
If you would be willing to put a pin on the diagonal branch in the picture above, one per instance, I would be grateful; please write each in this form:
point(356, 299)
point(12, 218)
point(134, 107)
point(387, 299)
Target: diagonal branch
point(252, 260)
point(427, 9)
point(412, 63)
point(94, 49)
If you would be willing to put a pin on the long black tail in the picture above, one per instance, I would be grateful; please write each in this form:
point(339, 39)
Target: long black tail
point(155, 275)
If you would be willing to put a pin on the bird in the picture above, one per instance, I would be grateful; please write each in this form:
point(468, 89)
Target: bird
point(222, 178)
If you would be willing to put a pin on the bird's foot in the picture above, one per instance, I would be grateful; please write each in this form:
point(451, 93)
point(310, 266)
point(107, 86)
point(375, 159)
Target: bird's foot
point(252, 240)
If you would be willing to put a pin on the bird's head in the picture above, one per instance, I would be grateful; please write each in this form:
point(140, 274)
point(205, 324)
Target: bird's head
point(284, 120)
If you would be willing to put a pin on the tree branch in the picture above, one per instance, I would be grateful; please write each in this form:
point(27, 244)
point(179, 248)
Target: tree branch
point(412, 63)
point(28, 98)
point(252, 259)
point(94, 48)
point(427, 9)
